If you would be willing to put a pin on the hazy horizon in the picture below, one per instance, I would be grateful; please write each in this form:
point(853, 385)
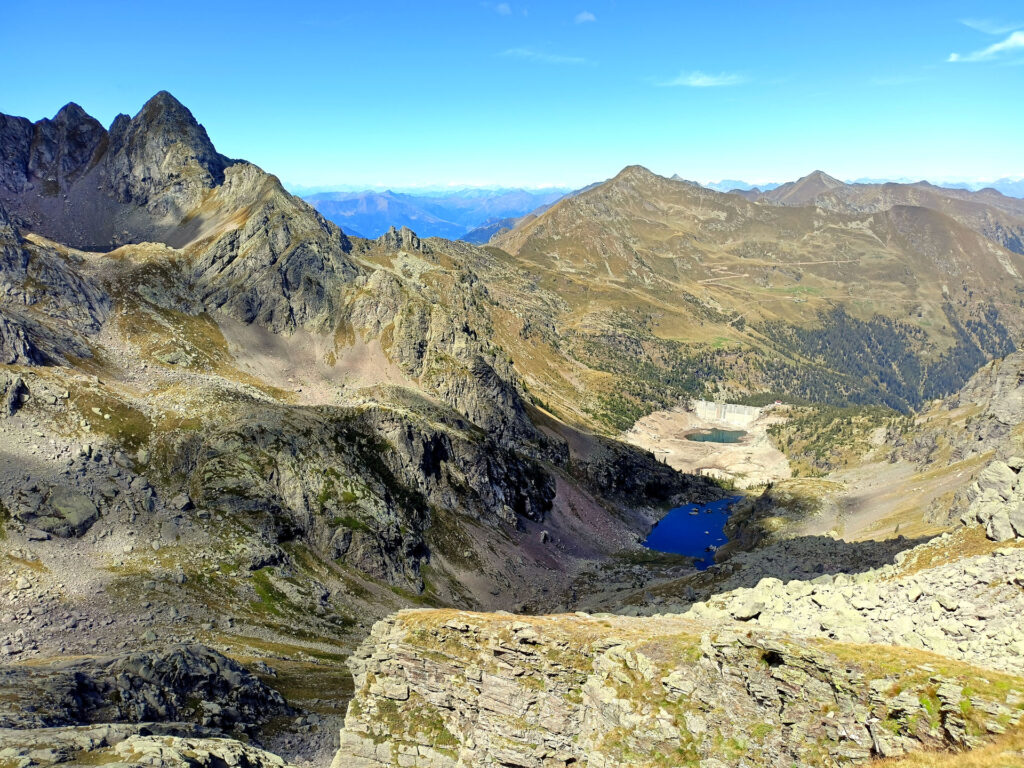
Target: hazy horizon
point(454, 188)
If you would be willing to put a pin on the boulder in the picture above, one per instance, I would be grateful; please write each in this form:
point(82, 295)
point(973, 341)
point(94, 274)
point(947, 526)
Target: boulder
point(947, 601)
point(67, 513)
point(999, 527)
point(998, 477)
point(746, 609)
point(1016, 518)
point(181, 502)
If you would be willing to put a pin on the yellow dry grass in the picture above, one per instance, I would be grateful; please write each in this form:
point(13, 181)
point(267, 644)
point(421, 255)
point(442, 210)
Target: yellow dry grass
point(962, 544)
point(1006, 752)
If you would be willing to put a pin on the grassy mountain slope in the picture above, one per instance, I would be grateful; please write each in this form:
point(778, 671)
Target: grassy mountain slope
point(680, 289)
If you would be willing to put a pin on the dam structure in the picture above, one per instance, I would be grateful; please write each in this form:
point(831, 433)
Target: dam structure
point(726, 413)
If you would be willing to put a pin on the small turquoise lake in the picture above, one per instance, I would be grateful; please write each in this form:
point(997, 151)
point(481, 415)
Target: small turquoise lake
point(691, 529)
point(716, 436)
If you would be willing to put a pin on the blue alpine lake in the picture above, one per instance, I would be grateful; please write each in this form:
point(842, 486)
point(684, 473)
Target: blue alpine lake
point(691, 530)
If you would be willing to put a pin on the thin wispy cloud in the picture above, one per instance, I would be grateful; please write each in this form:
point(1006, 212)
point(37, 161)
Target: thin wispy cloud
point(503, 9)
point(1012, 43)
point(529, 54)
point(698, 79)
point(585, 17)
point(990, 27)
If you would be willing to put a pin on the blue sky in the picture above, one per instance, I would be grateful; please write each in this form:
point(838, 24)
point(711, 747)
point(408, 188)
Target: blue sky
point(548, 93)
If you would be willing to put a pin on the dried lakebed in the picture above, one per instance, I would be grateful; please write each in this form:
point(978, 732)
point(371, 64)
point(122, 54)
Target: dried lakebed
point(710, 440)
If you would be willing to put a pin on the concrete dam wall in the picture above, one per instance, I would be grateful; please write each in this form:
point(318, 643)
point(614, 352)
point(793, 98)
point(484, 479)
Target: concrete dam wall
point(726, 413)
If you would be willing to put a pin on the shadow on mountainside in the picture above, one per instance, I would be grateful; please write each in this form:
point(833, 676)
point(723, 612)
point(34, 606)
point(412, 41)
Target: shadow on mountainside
point(629, 589)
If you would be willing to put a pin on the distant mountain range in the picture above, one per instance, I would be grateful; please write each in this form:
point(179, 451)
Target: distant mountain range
point(1008, 186)
point(452, 215)
point(477, 214)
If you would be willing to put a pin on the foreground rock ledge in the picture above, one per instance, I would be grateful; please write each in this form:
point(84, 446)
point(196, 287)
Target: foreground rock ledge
point(447, 688)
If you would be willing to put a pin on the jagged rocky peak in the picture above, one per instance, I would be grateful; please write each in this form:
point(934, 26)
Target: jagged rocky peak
point(165, 142)
point(75, 135)
point(44, 153)
point(72, 180)
point(403, 239)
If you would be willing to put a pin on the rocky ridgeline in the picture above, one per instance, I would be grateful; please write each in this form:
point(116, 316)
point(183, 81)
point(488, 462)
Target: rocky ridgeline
point(996, 500)
point(971, 609)
point(442, 688)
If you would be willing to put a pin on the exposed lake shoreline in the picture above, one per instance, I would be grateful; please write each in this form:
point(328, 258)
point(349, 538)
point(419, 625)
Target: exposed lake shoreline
point(749, 461)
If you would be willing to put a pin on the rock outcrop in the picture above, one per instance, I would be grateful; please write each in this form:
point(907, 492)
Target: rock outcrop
point(996, 500)
point(185, 683)
point(47, 308)
point(151, 744)
point(994, 401)
point(970, 609)
point(263, 256)
point(458, 689)
point(12, 394)
point(359, 485)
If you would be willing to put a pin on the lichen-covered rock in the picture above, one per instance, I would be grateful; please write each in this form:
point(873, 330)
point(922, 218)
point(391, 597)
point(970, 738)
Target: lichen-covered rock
point(440, 689)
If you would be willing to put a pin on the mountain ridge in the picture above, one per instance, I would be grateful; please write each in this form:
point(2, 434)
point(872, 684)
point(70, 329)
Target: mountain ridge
point(749, 269)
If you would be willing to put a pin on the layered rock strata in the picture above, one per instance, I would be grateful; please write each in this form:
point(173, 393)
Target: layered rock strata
point(439, 689)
